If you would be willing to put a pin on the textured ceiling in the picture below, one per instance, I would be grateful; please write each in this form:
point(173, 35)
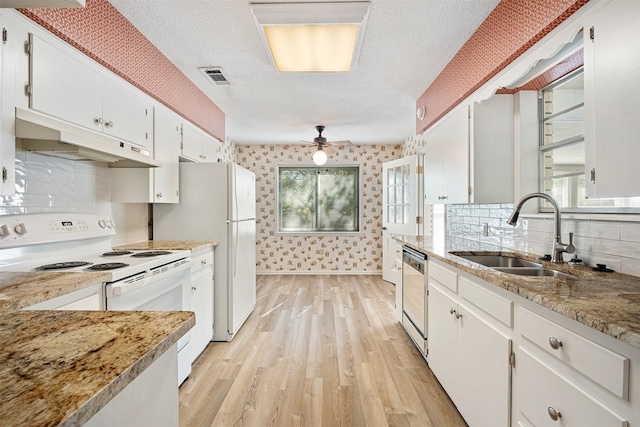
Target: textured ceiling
point(406, 45)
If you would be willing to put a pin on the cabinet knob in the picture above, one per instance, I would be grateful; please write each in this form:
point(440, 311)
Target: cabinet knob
point(458, 315)
point(159, 195)
point(555, 343)
point(193, 288)
point(553, 414)
point(204, 262)
point(109, 124)
point(97, 120)
point(451, 310)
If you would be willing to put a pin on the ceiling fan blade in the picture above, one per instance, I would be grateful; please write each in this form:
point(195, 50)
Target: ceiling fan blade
point(346, 142)
point(329, 150)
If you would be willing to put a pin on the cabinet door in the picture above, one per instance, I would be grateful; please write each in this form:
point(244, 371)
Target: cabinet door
point(209, 150)
point(191, 142)
point(127, 114)
point(64, 87)
point(167, 138)
point(202, 306)
point(485, 371)
point(447, 159)
point(443, 340)
point(433, 185)
point(612, 100)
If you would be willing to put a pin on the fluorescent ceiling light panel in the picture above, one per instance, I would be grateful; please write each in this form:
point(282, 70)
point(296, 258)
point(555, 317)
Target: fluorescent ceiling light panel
point(312, 37)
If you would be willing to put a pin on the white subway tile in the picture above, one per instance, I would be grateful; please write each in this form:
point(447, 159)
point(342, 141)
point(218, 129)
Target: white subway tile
point(605, 230)
point(630, 232)
point(50, 188)
point(617, 247)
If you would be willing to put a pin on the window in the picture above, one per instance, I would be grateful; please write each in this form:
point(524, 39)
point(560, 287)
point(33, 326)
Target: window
point(562, 149)
point(318, 199)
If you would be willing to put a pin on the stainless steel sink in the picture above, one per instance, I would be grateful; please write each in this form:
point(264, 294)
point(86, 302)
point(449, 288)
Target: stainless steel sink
point(531, 271)
point(500, 261)
point(511, 265)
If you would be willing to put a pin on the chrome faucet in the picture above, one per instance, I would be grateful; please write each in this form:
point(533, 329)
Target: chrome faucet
point(558, 247)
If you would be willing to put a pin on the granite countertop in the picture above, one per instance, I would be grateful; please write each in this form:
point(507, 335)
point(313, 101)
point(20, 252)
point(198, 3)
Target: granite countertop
point(22, 289)
point(169, 245)
point(62, 367)
point(607, 302)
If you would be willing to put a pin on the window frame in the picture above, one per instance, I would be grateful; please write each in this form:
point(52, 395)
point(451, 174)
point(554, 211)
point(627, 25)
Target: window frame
point(359, 197)
point(542, 149)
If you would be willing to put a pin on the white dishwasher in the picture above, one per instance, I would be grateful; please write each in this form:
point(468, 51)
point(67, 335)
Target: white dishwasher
point(414, 296)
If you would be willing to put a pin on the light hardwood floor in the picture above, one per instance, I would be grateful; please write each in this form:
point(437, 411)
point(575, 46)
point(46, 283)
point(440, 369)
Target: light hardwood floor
point(317, 351)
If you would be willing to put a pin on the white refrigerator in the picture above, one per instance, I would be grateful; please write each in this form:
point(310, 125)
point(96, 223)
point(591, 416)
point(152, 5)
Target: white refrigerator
point(218, 202)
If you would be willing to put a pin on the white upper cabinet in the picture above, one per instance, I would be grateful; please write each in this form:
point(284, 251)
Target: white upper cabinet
point(197, 145)
point(14, 72)
point(68, 86)
point(469, 154)
point(446, 159)
point(612, 100)
point(154, 185)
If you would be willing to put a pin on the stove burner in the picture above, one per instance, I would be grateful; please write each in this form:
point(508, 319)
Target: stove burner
point(150, 254)
point(117, 253)
point(107, 266)
point(62, 265)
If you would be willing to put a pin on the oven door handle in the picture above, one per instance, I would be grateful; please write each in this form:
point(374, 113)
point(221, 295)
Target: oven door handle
point(128, 285)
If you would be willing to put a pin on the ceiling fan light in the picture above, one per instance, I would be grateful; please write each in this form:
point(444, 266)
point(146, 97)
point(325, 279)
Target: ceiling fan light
point(319, 157)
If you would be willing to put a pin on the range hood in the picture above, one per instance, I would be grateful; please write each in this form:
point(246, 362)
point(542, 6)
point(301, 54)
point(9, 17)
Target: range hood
point(47, 135)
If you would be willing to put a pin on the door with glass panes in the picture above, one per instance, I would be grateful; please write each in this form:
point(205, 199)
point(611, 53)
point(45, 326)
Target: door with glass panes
point(401, 195)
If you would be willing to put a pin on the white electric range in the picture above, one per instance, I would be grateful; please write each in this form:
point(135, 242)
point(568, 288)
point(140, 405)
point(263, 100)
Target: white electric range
point(138, 280)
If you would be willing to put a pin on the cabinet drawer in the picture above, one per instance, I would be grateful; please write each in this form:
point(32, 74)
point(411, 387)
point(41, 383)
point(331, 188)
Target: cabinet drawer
point(542, 390)
point(201, 261)
point(443, 276)
point(497, 307)
point(603, 366)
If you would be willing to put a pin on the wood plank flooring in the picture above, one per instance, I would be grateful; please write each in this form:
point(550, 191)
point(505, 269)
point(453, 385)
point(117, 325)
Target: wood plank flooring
point(317, 351)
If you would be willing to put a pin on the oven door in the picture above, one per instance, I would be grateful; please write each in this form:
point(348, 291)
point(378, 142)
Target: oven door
point(160, 290)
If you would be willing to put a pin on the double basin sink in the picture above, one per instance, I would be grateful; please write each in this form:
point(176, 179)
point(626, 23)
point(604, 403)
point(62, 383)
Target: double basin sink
point(512, 265)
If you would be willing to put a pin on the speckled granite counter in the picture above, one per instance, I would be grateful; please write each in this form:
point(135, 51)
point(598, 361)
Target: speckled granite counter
point(22, 289)
point(607, 302)
point(62, 367)
point(169, 245)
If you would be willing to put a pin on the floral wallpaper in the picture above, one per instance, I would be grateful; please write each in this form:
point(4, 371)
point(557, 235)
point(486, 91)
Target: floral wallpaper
point(318, 253)
point(226, 151)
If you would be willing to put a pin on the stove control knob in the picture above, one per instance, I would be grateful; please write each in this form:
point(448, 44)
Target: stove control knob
point(110, 223)
point(102, 223)
point(20, 228)
point(4, 230)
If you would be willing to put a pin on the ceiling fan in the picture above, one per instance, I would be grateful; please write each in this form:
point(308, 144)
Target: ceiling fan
point(324, 146)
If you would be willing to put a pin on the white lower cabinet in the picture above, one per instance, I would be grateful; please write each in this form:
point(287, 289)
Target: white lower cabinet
point(201, 301)
point(469, 355)
point(546, 398)
point(505, 360)
point(89, 298)
point(151, 399)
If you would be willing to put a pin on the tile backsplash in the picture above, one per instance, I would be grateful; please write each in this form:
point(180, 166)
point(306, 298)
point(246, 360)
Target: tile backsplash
point(614, 242)
point(52, 184)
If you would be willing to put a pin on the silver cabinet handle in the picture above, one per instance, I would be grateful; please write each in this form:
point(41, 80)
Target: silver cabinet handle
point(97, 120)
point(458, 315)
point(553, 414)
point(193, 288)
point(204, 262)
point(159, 195)
point(555, 343)
point(451, 310)
point(109, 124)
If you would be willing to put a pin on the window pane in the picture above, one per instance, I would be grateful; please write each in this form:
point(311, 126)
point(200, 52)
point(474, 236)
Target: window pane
point(399, 218)
point(391, 214)
point(338, 199)
point(407, 192)
point(407, 220)
point(297, 198)
point(564, 160)
point(391, 194)
point(391, 177)
point(399, 190)
point(564, 126)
